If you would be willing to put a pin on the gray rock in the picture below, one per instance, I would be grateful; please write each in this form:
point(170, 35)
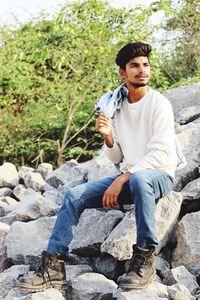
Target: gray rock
point(45, 169)
point(5, 192)
point(8, 200)
point(7, 279)
point(70, 173)
point(188, 243)
point(19, 192)
point(90, 286)
point(23, 171)
point(182, 276)
point(155, 291)
point(192, 190)
point(99, 167)
point(179, 292)
point(4, 229)
point(74, 271)
point(35, 206)
point(120, 241)
point(189, 96)
point(93, 228)
point(189, 138)
point(166, 216)
point(34, 180)
point(9, 218)
point(109, 266)
point(8, 175)
point(51, 193)
point(20, 239)
point(161, 265)
point(5, 209)
point(188, 114)
point(49, 294)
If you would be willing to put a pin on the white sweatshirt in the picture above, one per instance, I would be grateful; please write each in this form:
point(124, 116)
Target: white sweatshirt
point(144, 136)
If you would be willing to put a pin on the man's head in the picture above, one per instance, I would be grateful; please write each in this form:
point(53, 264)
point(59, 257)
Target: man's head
point(133, 60)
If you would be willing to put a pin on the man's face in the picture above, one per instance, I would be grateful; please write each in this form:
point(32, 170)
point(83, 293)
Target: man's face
point(137, 71)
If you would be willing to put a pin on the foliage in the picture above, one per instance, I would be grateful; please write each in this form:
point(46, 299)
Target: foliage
point(52, 71)
point(182, 59)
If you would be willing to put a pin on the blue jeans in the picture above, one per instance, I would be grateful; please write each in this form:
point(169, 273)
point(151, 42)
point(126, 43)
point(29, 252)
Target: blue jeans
point(144, 188)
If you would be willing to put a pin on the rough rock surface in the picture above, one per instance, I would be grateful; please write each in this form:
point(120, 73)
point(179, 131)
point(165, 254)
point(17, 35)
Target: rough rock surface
point(8, 175)
point(188, 243)
point(102, 223)
point(20, 239)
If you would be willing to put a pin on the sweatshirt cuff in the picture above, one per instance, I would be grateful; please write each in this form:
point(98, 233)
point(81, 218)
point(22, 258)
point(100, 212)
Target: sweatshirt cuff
point(135, 168)
point(114, 153)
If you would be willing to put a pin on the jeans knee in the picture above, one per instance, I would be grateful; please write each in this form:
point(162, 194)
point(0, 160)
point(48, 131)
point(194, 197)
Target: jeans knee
point(140, 181)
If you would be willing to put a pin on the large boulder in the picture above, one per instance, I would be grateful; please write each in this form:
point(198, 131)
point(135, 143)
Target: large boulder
point(34, 180)
point(90, 286)
point(7, 279)
point(181, 275)
point(85, 242)
point(27, 240)
point(4, 229)
point(188, 243)
point(8, 175)
point(189, 138)
point(35, 206)
point(155, 291)
point(70, 174)
point(49, 294)
point(183, 96)
point(120, 241)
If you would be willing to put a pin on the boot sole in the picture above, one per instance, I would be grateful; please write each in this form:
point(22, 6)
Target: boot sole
point(133, 286)
point(60, 285)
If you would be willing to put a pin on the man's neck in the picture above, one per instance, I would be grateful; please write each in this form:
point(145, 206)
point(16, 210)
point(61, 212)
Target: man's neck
point(136, 93)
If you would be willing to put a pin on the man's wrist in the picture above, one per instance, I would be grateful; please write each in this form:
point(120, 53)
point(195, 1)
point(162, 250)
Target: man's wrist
point(124, 177)
point(108, 140)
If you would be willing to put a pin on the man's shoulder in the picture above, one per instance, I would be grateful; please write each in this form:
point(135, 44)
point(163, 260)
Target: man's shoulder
point(160, 99)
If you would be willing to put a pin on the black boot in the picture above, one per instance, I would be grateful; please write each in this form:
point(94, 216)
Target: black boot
point(50, 273)
point(141, 270)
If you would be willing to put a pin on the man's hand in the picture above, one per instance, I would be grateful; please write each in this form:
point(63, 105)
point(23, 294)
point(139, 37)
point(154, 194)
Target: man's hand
point(110, 197)
point(103, 125)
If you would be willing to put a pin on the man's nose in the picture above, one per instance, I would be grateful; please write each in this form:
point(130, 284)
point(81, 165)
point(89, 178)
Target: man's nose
point(141, 69)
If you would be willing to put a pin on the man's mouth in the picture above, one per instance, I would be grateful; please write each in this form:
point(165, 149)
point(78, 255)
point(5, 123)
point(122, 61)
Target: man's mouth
point(142, 76)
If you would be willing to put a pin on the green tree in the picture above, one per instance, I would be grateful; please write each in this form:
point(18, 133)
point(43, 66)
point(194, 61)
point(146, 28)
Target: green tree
point(52, 71)
point(182, 40)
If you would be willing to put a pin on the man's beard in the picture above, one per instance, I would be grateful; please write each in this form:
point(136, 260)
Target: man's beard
point(138, 85)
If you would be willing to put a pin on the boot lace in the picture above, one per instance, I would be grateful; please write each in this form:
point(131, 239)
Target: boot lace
point(43, 267)
point(137, 262)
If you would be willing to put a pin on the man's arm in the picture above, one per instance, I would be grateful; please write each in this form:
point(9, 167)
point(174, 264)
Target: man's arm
point(104, 125)
point(112, 148)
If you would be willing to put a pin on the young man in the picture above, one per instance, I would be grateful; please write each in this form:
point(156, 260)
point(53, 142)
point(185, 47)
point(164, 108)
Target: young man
point(142, 140)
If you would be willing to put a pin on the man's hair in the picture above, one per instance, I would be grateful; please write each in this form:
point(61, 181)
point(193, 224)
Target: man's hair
point(130, 51)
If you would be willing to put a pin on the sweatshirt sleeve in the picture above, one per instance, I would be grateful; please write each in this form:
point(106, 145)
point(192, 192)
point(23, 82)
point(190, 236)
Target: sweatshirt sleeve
point(114, 154)
point(161, 147)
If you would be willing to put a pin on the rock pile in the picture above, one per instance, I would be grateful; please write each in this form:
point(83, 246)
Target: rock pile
point(102, 244)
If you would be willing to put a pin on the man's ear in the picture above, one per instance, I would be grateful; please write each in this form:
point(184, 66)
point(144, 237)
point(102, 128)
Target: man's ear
point(122, 73)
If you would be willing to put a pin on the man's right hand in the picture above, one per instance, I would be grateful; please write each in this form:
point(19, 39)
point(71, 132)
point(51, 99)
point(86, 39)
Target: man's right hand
point(103, 125)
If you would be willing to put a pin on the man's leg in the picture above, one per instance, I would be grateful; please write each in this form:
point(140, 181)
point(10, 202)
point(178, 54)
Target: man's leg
point(76, 200)
point(51, 272)
point(146, 186)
